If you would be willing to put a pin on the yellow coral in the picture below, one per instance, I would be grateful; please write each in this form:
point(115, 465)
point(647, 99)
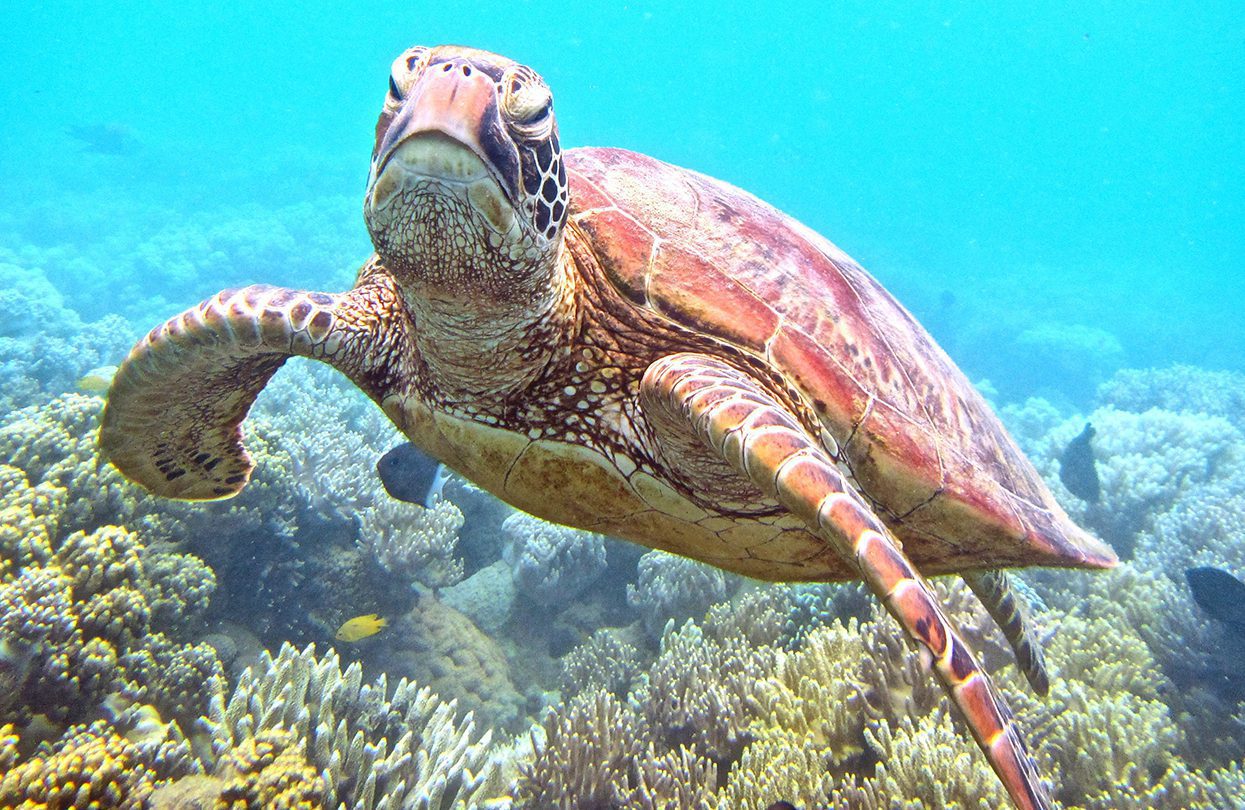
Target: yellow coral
point(27, 520)
point(925, 763)
point(91, 767)
point(781, 766)
point(269, 771)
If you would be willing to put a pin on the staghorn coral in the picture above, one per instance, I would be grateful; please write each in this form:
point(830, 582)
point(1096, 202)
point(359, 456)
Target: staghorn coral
point(676, 779)
point(756, 616)
point(373, 748)
point(924, 763)
point(815, 605)
point(551, 564)
point(412, 542)
point(673, 588)
point(782, 765)
point(816, 692)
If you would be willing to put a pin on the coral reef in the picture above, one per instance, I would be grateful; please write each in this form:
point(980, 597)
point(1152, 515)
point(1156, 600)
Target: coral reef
point(669, 588)
point(373, 748)
point(127, 624)
point(412, 542)
point(550, 563)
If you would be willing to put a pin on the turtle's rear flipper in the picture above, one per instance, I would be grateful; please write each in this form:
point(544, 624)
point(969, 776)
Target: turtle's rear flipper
point(996, 593)
point(174, 414)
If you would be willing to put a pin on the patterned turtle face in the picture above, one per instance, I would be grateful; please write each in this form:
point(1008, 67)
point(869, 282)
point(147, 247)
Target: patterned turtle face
point(467, 187)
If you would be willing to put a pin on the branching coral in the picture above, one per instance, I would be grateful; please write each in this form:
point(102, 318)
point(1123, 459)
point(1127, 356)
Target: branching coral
point(94, 766)
point(584, 761)
point(700, 693)
point(372, 748)
point(816, 692)
point(924, 763)
point(1178, 388)
point(604, 662)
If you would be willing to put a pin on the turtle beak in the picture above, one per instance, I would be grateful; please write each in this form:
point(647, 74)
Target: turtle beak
point(448, 129)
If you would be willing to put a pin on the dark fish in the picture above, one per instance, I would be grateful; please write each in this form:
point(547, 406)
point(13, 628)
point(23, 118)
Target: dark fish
point(105, 139)
point(409, 474)
point(1076, 467)
point(781, 806)
point(1220, 594)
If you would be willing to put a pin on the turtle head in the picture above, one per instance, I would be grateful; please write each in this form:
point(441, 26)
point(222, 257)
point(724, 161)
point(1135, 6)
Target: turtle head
point(467, 195)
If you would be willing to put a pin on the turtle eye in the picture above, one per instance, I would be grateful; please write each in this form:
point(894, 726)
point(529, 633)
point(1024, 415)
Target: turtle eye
point(525, 99)
point(394, 92)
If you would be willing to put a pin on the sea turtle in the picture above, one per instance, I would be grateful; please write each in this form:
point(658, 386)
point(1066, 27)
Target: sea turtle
point(610, 342)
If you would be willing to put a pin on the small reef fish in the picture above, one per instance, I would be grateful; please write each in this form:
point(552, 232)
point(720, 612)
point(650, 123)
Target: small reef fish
point(360, 627)
point(409, 474)
point(97, 380)
point(1219, 594)
point(1076, 467)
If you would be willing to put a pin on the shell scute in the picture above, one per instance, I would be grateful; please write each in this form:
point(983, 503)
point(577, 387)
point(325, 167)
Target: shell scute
point(624, 249)
point(696, 292)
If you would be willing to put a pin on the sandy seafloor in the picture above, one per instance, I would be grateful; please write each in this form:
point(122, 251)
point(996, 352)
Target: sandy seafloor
point(1056, 194)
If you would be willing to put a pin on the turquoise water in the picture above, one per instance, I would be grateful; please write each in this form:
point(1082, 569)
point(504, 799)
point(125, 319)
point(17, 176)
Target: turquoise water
point(1076, 164)
point(1057, 193)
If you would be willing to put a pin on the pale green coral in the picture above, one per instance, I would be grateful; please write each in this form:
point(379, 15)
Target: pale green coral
point(373, 748)
point(584, 757)
point(781, 765)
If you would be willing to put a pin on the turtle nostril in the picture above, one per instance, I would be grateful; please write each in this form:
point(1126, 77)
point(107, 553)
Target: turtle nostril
point(466, 70)
point(448, 67)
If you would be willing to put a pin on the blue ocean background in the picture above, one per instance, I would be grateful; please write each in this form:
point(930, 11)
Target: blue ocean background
point(1055, 190)
point(1001, 170)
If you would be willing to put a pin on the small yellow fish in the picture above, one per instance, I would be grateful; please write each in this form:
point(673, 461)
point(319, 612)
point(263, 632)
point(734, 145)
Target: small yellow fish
point(361, 627)
point(97, 380)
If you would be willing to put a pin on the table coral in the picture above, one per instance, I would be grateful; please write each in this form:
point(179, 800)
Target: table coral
point(551, 564)
point(673, 588)
point(412, 542)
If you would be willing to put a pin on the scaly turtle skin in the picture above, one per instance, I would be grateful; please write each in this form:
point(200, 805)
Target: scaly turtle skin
point(617, 344)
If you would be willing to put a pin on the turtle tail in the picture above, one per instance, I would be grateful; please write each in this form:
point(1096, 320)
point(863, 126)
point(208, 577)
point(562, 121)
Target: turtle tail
point(173, 419)
point(999, 597)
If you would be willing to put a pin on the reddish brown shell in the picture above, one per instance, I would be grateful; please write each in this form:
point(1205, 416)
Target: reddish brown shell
point(922, 443)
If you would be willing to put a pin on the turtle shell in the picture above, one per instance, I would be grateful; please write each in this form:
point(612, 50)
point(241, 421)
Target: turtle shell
point(919, 440)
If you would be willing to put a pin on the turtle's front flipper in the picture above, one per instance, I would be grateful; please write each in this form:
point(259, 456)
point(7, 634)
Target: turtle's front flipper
point(730, 413)
point(994, 589)
point(175, 409)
